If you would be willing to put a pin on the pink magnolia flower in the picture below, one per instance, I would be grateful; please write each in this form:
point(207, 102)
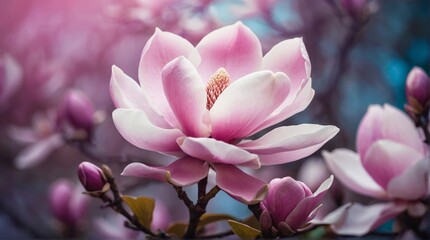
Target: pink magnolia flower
point(41, 139)
point(198, 103)
point(391, 164)
point(74, 119)
point(291, 205)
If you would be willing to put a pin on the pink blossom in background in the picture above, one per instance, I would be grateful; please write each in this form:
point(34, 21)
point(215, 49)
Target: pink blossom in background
point(41, 139)
point(253, 8)
point(392, 164)
point(291, 205)
point(68, 204)
point(190, 19)
point(197, 103)
point(10, 79)
point(74, 119)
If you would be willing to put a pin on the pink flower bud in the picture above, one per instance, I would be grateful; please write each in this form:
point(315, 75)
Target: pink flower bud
point(291, 204)
point(418, 86)
point(67, 202)
point(77, 110)
point(91, 177)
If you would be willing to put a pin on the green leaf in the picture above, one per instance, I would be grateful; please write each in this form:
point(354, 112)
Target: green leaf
point(209, 218)
point(243, 231)
point(142, 207)
point(178, 229)
point(252, 222)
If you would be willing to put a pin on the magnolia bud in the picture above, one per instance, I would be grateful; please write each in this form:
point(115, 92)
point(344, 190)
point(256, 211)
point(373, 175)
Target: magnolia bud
point(67, 202)
point(290, 205)
point(417, 87)
point(77, 110)
point(91, 177)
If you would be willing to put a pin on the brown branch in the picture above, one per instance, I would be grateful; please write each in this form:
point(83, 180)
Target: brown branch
point(197, 210)
point(116, 203)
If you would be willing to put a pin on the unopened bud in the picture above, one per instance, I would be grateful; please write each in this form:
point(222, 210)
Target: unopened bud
point(67, 202)
point(417, 87)
point(77, 110)
point(91, 177)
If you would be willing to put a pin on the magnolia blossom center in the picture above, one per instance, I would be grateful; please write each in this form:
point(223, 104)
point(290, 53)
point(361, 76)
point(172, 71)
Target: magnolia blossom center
point(218, 82)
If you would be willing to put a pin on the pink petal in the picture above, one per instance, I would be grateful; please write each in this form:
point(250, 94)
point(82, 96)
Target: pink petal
point(231, 180)
point(300, 214)
point(378, 124)
point(24, 135)
point(401, 130)
point(214, 151)
point(182, 172)
point(347, 167)
point(294, 61)
point(246, 103)
point(234, 47)
point(60, 194)
point(294, 142)
point(38, 151)
point(126, 93)
point(294, 103)
point(134, 126)
point(369, 129)
point(386, 159)
point(160, 49)
point(358, 219)
point(12, 72)
point(79, 203)
point(186, 95)
point(412, 184)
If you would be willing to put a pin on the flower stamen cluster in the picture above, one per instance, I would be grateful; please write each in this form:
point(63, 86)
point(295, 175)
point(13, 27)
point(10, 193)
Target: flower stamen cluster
point(218, 82)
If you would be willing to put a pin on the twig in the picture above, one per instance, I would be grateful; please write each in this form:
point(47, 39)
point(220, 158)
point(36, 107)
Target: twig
point(116, 204)
point(256, 210)
point(422, 122)
point(217, 235)
point(197, 210)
